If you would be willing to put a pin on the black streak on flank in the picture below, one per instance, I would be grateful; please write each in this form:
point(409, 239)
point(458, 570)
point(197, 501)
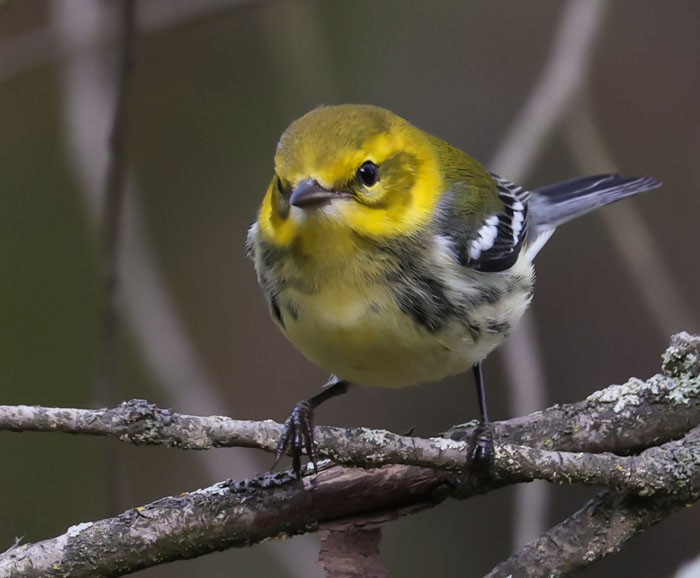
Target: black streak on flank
point(474, 331)
point(275, 309)
point(492, 295)
point(270, 256)
point(423, 299)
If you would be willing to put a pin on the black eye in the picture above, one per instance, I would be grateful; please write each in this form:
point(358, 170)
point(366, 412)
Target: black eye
point(368, 174)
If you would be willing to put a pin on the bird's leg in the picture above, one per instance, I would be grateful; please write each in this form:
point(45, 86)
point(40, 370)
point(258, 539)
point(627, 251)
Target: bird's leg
point(298, 432)
point(480, 461)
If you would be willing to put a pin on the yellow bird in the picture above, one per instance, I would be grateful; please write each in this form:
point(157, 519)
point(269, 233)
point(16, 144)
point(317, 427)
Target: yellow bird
point(390, 258)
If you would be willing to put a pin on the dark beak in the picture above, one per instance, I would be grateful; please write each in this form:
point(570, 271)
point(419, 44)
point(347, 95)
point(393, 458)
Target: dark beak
point(309, 193)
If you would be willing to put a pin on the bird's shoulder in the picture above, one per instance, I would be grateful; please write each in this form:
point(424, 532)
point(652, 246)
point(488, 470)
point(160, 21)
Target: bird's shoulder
point(483, 215)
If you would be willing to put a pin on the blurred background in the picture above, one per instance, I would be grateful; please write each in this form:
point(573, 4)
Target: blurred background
point(214, 84)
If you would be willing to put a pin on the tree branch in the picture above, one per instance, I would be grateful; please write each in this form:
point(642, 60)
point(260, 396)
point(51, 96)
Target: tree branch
point(603, 525)
point(233, 514)
point(621, 418)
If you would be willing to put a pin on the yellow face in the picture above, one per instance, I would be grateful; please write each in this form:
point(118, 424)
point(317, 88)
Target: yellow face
point(350, 168)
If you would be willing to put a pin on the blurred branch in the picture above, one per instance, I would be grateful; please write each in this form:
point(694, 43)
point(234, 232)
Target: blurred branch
point(564, 73)
point(105, 387)
point(115, 189)
point(625, 225)
point(167, 350)
point(554, 92)
point(658, 481)
point(525, 377)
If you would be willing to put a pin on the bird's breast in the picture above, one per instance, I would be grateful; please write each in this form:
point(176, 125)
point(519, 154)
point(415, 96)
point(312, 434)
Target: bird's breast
point(376, 318)
point(365, 337)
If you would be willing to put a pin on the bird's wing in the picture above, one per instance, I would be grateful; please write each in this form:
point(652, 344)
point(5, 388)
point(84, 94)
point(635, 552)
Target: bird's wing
point(490, 239)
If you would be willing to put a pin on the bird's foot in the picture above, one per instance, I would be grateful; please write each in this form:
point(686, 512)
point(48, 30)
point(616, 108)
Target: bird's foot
point(298, 437)
point(481, 454)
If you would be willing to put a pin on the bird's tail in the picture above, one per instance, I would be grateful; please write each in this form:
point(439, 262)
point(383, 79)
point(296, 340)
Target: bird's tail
point(556, 204)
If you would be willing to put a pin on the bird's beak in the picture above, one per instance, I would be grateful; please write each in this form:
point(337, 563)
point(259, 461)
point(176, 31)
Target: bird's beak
point(309, 193)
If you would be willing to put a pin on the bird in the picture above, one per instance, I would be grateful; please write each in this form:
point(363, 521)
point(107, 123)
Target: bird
point(391, 258)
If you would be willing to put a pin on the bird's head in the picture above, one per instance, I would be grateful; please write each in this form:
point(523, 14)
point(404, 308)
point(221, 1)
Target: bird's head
point(351, 168)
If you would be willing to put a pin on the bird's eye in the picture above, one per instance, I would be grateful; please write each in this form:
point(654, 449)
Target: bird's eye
point(368, 174)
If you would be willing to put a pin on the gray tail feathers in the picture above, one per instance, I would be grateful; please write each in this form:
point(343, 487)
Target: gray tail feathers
point(551, 206)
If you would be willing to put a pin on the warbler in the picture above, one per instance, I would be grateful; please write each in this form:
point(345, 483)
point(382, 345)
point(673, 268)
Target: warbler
point(389, 258)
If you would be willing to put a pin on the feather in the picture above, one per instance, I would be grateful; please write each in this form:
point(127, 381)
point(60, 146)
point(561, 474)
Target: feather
point(556, 204)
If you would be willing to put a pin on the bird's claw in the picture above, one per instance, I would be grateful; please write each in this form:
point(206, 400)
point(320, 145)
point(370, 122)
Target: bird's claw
point(298, 437)
point(481, 454)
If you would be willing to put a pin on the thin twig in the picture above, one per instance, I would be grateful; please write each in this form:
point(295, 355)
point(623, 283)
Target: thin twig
point(105, 388)
point(115, 189)
point(628, 231)
point(572, 54)
point(523, 366)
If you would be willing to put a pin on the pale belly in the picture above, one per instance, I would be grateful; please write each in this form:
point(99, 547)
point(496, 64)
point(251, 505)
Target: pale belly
point(344, 308)
point(368, 340)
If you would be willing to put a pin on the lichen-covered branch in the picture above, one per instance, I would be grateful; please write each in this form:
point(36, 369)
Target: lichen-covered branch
point(670, 467)
point(222, 516)
point(240, 514)
point(598, 529)
point(655, 483)
point(621, 418)
point(141, 423)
